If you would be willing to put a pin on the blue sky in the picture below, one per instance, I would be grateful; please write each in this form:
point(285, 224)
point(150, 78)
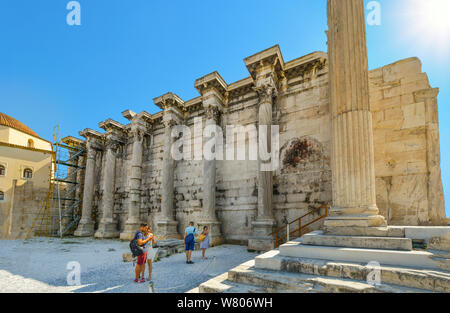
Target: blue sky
point(126, 53)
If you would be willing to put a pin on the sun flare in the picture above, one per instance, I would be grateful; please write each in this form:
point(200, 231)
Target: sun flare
point(428, 23)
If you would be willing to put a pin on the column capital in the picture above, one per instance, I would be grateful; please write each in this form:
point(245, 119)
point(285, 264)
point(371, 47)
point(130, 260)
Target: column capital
point(266, 89)
point(213, 113)
point(93, 139)
point(115, 133)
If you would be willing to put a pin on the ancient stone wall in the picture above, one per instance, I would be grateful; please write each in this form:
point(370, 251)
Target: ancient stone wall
point(406, 144)
point(406, 141)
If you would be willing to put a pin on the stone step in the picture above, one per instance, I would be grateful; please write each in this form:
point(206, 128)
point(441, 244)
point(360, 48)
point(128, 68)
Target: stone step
point(436, 281)
point(317, 238)
point(416, 259)
point(221, 284)
point(272, 281)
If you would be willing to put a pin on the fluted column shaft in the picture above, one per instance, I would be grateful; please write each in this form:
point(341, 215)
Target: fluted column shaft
point(86, 225)
point(354, 197)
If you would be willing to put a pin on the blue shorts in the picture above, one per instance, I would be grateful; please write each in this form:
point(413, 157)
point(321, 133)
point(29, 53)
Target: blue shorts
point(190, 242)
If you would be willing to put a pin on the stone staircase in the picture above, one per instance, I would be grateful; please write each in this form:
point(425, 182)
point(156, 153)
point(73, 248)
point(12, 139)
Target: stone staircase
point(304, 266)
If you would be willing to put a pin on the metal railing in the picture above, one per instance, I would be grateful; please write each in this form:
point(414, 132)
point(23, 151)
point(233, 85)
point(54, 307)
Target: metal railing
point(296, 228)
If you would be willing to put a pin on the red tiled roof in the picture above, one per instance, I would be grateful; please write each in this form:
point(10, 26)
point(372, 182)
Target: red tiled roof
point(7, 120)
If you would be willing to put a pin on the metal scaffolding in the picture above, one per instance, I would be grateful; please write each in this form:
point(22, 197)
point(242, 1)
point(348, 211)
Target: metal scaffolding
point(61, 209)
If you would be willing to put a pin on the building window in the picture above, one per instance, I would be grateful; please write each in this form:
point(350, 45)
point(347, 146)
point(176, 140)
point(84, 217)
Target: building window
point(2, 196)
point(28, 173)
point(30, 143)
point(2, 170)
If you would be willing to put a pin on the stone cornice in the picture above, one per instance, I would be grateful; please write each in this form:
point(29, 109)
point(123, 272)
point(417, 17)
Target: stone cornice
point(169, 100)
point(74, 142)
point(310, 63)
point(211, 81)
point(262, 66)
point(91, 134)
point(270, 58)
point(128, 114)
point(193, 105)
point(112, 126)
point(240, 87)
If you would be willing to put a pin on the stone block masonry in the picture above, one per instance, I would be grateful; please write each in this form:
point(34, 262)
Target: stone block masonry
point(238, 202)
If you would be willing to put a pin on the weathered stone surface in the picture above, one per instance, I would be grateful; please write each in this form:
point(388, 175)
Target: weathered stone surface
point(439, 243)
point(406, 155)
point(416, 259)
point(247, 278)
point(437, 281)
point(317, 238)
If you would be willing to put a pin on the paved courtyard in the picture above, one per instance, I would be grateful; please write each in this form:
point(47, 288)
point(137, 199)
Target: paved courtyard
point(40, 265)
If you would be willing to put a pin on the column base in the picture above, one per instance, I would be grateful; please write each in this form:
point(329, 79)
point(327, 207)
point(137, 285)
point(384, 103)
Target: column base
point(215, 234)
point(84, 229)
point(343, 224)
point(261, 239)
point(107, 229)
point(129, 231)
point(167, 230)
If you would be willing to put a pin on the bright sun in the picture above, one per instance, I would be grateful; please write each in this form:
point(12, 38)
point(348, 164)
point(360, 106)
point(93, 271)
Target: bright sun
point(429, 23)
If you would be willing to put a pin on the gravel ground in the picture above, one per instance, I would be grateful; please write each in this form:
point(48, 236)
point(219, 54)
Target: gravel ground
point(40, 265)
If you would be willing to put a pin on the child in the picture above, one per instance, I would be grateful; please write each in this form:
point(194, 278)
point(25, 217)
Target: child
point(205, 243)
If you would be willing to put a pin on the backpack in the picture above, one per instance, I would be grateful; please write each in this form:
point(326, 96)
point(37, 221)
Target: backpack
point(136, 250)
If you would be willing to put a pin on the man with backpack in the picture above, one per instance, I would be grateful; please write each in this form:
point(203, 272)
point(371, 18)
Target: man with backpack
point(137, 246)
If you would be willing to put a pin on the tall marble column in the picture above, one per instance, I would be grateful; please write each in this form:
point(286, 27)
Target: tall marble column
point(264, 223)
point(108, 227)
point(354, 198)
point(166, 222)
point(86, 225)
point(134, 182)
point(267, 71)
point(213, 88)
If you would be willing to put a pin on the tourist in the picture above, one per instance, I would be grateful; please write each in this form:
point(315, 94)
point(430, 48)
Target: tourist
point(141, 241)
point(204, 241)
point(189, 240)
point(150, 252)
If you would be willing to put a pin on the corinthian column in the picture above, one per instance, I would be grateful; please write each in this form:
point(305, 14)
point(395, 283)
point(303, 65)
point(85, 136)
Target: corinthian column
point(213, 89)
point(264, 222)
point(166, 222)
point(134, 183)
point(267, 70)
point(354, 198)
point(107, 227)
point(86, 225)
